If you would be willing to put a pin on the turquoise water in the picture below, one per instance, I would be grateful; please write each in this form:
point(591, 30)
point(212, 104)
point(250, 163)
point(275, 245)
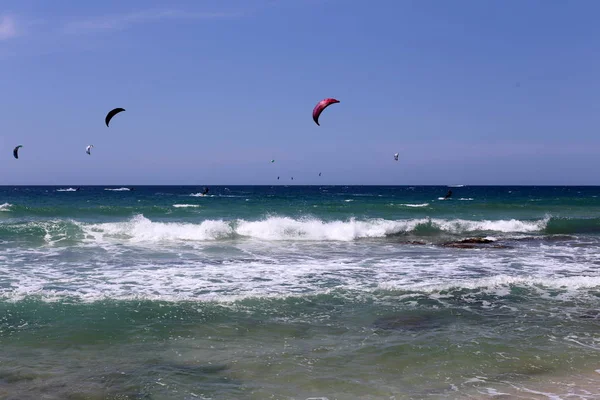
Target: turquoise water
point(299, 292)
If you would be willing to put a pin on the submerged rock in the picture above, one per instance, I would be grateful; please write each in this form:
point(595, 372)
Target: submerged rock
point(472, 243)
point(592, 314)
point(414, 242)
point(476, 240)
point(406, 322)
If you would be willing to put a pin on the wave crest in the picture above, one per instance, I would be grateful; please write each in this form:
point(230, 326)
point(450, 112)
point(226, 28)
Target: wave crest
point(141, 229)
point(279, 228)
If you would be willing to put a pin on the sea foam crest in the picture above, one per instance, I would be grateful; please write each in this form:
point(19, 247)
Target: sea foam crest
point(5, 207)
point(501, 281)
point(141, 229)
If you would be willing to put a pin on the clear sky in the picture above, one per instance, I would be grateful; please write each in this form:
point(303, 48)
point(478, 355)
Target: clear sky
point(467, 91)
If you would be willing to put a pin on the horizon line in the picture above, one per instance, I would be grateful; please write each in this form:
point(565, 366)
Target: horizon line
point(269, 185)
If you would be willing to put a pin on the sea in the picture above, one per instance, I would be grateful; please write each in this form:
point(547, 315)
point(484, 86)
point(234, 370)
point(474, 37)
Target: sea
point(299, 292)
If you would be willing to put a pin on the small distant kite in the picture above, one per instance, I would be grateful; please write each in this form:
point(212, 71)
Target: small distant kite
point(16, 151)
point(88, 149)
point(323, 104)
point(396, 156)
point(319, 174)
point(272, 161)
point(111, 114)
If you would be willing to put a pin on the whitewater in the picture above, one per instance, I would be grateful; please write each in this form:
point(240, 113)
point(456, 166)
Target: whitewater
point(296, 292)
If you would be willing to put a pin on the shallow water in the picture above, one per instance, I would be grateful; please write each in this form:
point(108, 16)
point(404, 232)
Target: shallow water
point(297, 292)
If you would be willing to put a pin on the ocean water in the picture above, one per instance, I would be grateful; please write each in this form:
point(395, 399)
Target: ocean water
point(321, 292)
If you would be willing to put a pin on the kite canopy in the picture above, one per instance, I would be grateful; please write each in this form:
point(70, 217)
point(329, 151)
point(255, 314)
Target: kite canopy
point(111, 114)
point(16, 151)
point(323, 104)
point(89, 149)
point(272, 161)
point(396, 156)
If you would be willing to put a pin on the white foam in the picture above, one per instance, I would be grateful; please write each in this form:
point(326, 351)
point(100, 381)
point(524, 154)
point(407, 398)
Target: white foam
point(123, 189)
point(251, 269)
point(415, 205)
point(67, 190)
point(285, 228)
point(207, 195)
point(5, 207)
point(186, 205)
point(141, 229)
point(501, 281)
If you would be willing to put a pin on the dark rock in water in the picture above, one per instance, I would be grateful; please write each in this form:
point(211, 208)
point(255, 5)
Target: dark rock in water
point(194, 369)
point(476, 240)
point(17, 375)
point(415, 242)
point(406, 322)
point(592, 314)
point(473, 243)
point(459, 245)
point(523, 372)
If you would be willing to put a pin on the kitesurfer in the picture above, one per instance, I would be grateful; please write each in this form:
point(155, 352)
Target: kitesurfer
point(16, 151)
point(448, 195)
point(111, 114)
point(323, 104)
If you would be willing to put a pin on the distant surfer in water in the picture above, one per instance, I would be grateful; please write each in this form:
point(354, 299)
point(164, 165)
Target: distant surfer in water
point(448, 195)
point(205, 191)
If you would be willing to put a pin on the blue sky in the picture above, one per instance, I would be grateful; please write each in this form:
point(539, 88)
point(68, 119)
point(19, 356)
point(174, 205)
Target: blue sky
point(468, 92)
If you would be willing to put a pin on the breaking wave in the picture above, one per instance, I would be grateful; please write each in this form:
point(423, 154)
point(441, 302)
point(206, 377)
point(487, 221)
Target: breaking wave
point(142, 229)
